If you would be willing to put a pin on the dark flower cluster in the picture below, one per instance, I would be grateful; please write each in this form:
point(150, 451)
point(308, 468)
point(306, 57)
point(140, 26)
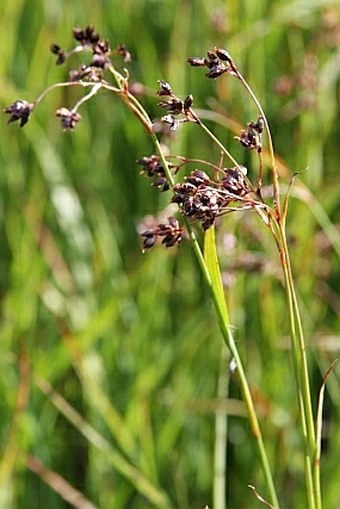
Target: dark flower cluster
point(218, 63)
point(234, 181)
point(68, 118)
point(251, 138)
point(61, 54)
point(101, 52)
point(86, 39)
point(19, 110)
point(204, 199)
point(174, 106)
point(153, 168)
point(122, 51)
point(170, 232)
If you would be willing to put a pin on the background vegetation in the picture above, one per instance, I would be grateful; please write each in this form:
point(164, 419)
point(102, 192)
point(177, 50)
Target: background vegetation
point(127, 341)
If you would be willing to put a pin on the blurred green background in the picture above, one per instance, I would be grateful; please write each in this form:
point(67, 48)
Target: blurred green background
point(114, 385)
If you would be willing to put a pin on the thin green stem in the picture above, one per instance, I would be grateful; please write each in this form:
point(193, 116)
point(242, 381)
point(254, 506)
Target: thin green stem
point(247, 397)
point(223, 149)
point(303, 386)
point(88, 96)
point(65, 84)
point(296, 330)
point(221, 437)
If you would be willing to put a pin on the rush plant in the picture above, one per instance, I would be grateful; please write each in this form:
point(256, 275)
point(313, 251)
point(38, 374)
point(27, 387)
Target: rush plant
point(203, 195)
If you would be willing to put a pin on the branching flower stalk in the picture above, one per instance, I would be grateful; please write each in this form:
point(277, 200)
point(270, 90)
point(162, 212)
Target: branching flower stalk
point(201, 200)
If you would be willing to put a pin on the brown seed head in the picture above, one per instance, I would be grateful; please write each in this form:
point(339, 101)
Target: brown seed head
point(68, 118)
point(19, 110)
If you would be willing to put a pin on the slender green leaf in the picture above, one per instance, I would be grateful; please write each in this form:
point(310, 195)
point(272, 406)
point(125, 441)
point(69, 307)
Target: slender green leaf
point(211, 260)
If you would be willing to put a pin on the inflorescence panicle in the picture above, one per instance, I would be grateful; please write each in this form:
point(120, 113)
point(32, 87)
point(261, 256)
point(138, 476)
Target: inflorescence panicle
point(87, 74)
point(170, 233)
point(204, 199)
point(217, 63)
point(199, 197)
point(175, 106)
point(251, 138)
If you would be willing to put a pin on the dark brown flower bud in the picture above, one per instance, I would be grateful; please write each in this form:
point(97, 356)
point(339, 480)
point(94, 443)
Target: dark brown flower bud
point(87, 36)
point(198, 178)
point(161, 183)
point(78, 34)
point(100, 60)
point(196, 61)
point(212, 57)
point(223, 55)
point(152, 167)
point(56, 50)
point(251, 138)
point(188, 102)
point(80, 73)
point(19, 110)
point(101, 52)
point(149, 239)
point(174, 106)
point(171, 121)
point(68, 118)
point(258, 125)
point(234, 181)
point(170, 232)
point(165, 88)
point(219, 63)
point(123, 52)
point(101, 47)
point(216, 71)
point(91, 35)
